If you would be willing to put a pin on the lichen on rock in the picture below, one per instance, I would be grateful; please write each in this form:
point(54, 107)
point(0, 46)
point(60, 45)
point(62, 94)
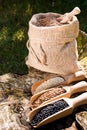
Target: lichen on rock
point(14, 101)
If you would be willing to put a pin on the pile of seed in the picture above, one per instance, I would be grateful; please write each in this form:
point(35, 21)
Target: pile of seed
point(49, 110)
point(50, 83)
point(51, 93)
point(48, 20)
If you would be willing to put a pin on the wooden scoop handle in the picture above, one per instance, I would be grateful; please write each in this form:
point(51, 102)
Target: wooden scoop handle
point(74, 12)
point(77, 76)
point(79, 87)
point(80, 100)
point(68, 16)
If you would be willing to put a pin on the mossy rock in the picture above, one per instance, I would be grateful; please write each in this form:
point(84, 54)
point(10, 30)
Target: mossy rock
point(83, 62)
point(82, 44)
point(81, 119)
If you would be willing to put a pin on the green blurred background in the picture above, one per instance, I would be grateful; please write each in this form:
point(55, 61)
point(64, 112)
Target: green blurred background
point(14, 18)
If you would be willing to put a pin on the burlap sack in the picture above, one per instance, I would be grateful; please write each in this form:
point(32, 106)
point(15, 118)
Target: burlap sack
point(53, 49)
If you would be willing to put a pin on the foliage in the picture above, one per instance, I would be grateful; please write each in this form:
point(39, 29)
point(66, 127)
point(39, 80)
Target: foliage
point(82, 44)
point(14, 18)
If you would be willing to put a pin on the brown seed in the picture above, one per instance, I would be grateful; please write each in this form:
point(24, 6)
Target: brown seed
point(51, 93)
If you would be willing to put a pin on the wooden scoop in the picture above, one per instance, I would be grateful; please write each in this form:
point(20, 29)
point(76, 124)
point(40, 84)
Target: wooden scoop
point(72, 103)
point(66, 80)
point(45, 84)
point(69, 90)
point(67, 17)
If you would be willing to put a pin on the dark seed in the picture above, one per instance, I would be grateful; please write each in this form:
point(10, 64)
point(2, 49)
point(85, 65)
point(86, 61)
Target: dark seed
point(49, 110)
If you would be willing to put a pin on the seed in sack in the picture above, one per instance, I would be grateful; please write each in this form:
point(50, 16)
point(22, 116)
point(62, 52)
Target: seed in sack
point(50, 20)
point(48, 110)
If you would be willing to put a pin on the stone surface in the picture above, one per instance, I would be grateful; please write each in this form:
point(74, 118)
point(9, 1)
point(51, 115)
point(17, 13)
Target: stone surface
point(14, 101)
point(81, 119)
point(14, 104)
point(83, 62)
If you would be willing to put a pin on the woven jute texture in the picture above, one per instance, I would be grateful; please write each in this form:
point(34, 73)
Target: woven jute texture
point(53, 48)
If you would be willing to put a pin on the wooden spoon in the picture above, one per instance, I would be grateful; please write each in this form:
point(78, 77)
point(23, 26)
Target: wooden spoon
point(46, 83)
point(63, 80)
point(67, 17)
point(72, 103)
point(69, 90)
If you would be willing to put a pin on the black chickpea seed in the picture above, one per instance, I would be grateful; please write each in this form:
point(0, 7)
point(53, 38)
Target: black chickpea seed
point(49, 110)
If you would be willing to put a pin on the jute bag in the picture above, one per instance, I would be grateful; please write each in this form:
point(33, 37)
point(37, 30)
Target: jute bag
point(53, 48)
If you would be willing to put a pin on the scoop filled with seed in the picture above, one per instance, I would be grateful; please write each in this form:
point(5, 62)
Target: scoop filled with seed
point(55, 110)
point(46, 84)
point(51, 82)
point(51, 94)
point(44, 96)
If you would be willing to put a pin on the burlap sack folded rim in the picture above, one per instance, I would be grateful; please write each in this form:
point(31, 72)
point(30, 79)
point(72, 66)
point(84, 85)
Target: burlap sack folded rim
point(67, 32)
point(35, 17)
